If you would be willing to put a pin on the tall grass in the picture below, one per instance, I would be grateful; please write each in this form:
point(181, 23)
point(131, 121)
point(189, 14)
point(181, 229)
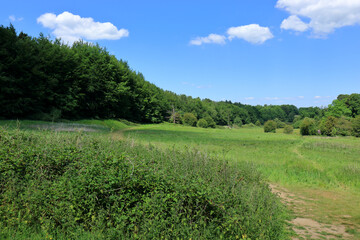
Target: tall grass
point(75, 185)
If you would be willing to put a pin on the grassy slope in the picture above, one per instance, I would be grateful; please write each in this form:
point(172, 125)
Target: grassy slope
point(67, 185)
point(326, 170)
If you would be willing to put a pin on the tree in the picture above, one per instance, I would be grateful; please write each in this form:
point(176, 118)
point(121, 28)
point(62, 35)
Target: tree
point(308, 127)
point(356, 126)
point(288, 129)
point(189, 119)
point(338, 109)
point(202, 123)
point(270, 126)
point(238, 122)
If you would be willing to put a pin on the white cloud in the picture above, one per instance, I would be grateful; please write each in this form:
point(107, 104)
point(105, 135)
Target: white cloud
point(252, 33)
point(272, 98)
point(294, 23)
point(212, 38)
point(13, 18)
point(325, 15)
point(249, 98)
point(301, 97)
point(70, 27)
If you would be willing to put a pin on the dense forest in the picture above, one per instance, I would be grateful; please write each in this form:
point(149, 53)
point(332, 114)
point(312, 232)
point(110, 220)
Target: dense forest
point(47, 80)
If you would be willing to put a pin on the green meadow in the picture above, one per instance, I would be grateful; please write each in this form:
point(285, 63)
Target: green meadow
point(325, 170)
point(170, 181)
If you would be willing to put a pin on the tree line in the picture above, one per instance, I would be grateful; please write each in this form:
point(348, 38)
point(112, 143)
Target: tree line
point(45, 79)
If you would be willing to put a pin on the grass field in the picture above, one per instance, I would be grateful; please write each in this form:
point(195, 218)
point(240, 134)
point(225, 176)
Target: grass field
point(324, 171)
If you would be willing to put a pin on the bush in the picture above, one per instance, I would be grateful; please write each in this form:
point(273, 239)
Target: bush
point(343, 126)
point(308, 127)
point(258, 123)
point(238, 122)
point(189, 119)
point(279, 124)
point(328, 126)
point(288, 129)
point(270, 126)
point(202, 123)
point(297, 124)
point(211, 123)
point(71, 185)
point(356, 126)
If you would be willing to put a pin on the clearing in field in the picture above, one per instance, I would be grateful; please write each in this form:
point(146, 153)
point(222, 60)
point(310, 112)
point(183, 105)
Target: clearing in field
point(317, 177)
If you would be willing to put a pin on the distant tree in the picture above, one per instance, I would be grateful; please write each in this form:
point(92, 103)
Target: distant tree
point(328, 126)
point(238, 122)
point(210, 122)
point(189, 119)
point(337, 109)
point(353, 103)
point(288, 129)
point(270, 126)
point(279, 123)
point(356, 126)
point(202, 123)
point(308, 127)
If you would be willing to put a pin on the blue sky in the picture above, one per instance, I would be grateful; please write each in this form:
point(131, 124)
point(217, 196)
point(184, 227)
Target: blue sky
point(250, 51)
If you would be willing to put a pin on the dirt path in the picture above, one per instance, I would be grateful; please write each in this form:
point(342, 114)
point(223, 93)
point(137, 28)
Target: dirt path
point(304, 226)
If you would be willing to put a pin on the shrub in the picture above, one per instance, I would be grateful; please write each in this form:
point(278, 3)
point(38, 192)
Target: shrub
point(211, 123)
point(202, 123)
point(356, 126)
point(189, 119)
point(270, 126)
point(279, 124)
point(258, 123)
point(328, 126)
point(66, 186)
point(288, 129)
point(238, 122)
point(308, 127)
point(343, 126)
point(297, 124)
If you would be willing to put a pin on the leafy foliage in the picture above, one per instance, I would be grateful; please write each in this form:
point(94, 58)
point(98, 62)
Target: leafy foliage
point(288, 129)
point(189, 119)
point(202, 123)
point(60, 184)
point(308, 127)
point(356, 126)
point(270, 126)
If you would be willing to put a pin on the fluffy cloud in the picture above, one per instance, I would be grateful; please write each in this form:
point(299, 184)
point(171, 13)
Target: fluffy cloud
point(325, 15)
point(70, 27)
point(13, 18)
point(294, 23)
point(252, 33)
point(212, 38)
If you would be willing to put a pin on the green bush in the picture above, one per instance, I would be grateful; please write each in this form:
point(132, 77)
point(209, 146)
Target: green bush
point(279, 123)
point(297, 124)
point(288, 129)
point(356, 126)
point(308, 127)
point(189, 119)
point(328, 126)
point(210, 121)
point(343, 126)
point(270, 126)
point(72, 185)
point(202, 123)
point(258, 123)
point(238, 122)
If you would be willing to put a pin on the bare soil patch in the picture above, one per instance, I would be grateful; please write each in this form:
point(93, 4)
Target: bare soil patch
point(304, 224)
